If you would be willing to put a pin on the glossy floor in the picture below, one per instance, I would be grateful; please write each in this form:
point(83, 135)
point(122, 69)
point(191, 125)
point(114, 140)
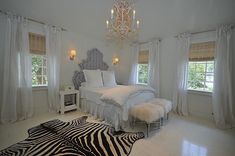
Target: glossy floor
point(179, 137)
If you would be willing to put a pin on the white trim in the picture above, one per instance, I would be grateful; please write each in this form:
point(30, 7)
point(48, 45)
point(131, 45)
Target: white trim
point(203, 37)
point(42, 57)
point(38, 88)
point(142, 84)
point(205, 73)
point(199, 92)
point(137, 75)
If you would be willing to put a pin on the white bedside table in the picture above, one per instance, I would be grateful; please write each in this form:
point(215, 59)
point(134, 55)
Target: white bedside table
point(69, 100)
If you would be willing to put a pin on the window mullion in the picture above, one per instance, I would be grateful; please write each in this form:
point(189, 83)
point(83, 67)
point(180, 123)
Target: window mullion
point(42, 72)
point(205, 76)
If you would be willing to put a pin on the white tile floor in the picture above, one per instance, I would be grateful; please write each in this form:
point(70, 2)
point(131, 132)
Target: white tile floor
point(179, 137)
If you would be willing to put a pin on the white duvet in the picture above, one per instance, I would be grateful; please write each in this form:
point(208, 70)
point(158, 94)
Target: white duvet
point(120, 94)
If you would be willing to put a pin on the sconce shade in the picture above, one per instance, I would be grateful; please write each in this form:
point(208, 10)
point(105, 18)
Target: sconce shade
point(72, 54)
point(115, 60)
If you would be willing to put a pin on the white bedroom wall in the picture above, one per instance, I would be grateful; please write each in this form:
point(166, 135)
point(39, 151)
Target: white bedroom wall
point(123, 68)
point(81, 44)
point(70, 41)
point(167, 66)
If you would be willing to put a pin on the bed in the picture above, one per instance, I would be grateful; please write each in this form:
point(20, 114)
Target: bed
point(111, 102)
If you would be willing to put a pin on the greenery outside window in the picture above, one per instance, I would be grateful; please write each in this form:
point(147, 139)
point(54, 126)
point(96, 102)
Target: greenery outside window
point(142, 74)
point(201, 66)
point(142, 67)
point(201, 76)
point(39, 70)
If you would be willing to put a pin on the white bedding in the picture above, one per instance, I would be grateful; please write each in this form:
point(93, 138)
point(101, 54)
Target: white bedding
point(120, 97)
point(92, 94)
point(121, 94)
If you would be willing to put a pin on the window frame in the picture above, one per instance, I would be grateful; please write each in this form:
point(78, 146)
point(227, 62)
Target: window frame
point(137, 75)
point(41, 86)
point(204, 92)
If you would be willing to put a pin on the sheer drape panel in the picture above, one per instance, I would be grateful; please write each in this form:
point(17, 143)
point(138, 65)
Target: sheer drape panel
point(153, 70)
point(25, 71)
point(53, 51)
point(180, 104)
point(16, 90)
point(10, 71)
point(134, 63)
point(223, 105)
point(233, 69)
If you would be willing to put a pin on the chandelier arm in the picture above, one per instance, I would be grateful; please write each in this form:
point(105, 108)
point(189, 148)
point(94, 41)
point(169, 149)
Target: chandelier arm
point(122, 22)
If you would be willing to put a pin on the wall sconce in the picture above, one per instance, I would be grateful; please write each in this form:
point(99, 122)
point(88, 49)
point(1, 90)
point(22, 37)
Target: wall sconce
point(115, 61)
point(72, 54)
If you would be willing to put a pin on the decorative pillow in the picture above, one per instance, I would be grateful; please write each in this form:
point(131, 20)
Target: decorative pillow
point(93, 78)
point(83, 84)
point(54, 125)
point(109, 78)
point(58, 125)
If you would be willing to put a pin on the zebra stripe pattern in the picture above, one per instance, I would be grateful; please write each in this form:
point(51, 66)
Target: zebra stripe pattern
point(76, 137)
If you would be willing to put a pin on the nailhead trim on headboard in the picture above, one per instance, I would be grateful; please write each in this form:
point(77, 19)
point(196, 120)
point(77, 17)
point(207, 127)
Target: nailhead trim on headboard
point(94, 61)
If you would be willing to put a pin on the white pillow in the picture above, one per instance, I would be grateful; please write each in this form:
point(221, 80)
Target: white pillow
point(108, 78)
point(93, 78)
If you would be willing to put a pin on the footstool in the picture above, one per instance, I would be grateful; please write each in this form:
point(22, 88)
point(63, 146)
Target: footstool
point(148, 113)
point(165, 104)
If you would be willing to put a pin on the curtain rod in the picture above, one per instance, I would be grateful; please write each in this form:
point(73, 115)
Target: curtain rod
point(33, 20)
point(204, 31)
point(198, 32)
point(149, 41)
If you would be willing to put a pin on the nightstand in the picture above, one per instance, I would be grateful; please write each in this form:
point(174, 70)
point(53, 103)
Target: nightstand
point(69, 100)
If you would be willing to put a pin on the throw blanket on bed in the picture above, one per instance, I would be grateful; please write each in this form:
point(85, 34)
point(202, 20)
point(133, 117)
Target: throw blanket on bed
point(120, 94)
point(76, 137)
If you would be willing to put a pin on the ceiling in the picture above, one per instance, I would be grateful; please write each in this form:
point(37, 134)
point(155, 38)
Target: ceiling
point(159, 18)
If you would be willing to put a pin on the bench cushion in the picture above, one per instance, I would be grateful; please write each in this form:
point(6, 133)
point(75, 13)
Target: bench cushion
point(147, 112)
point(165, 104)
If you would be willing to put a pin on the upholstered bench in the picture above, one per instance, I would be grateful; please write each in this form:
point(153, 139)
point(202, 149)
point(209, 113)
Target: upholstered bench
point(148, 113)
point(165, 104)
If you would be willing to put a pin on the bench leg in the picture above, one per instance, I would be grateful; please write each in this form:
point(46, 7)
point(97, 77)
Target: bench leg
point(148, 128)
point(161, 121)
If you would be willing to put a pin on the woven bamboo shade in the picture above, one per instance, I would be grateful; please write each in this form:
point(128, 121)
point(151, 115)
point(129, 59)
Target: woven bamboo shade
point(143, 57)
point(202, 51)
point(37, 44)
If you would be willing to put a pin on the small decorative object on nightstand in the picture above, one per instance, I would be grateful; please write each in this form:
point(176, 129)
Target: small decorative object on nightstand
point(69, 100)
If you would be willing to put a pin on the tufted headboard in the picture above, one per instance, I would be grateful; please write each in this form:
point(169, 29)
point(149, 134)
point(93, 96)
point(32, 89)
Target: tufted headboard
point(94, 61)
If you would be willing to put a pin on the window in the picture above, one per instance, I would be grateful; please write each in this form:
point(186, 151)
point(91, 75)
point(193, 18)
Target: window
point(37, 46)
point(39, 70)
point(201, 75)
point(142, 68)
point(201, 66)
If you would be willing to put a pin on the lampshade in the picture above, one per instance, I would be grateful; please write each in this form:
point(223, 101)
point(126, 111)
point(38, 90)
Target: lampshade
point(115, 60)
point(72, 54)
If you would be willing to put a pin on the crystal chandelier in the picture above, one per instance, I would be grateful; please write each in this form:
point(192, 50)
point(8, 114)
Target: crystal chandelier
point(122, 23)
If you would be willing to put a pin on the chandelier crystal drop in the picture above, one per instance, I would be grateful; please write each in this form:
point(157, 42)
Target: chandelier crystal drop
point(122, 23)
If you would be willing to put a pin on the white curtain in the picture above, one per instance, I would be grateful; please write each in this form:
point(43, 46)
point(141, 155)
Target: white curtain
point(223, 105)
point(16, 81)
point(180, 104)
point(53, 49)
point(153, 70)
point(134, 63)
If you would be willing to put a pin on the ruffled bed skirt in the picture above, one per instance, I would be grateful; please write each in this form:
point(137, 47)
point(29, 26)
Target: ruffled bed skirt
point(109, 113)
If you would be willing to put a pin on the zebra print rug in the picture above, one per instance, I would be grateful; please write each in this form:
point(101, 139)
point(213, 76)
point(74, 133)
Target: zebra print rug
point(76, 137)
